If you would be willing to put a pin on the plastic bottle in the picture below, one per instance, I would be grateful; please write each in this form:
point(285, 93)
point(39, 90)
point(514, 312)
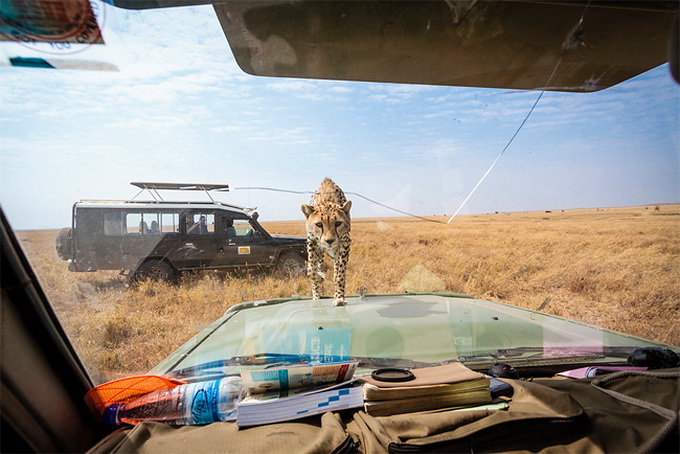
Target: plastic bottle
point(189, 404)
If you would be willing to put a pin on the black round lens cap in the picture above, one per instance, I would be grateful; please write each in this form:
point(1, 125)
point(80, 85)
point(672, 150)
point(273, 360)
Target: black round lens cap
point(392, 374)
point(503, 371)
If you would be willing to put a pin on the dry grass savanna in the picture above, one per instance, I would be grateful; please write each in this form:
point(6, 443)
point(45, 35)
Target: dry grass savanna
point(618, 268)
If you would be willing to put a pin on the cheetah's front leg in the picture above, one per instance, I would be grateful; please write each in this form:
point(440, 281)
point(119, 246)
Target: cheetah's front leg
point(339, 270)
point(314, 264)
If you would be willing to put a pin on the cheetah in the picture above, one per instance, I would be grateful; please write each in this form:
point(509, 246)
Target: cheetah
point(328, 226)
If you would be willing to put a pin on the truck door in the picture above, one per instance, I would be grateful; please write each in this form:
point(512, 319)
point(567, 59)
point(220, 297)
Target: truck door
point(245, 244)
point(200, 246)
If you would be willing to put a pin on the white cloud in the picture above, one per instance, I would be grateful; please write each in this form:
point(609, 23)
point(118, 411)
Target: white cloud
point(181, 109)
point(315, 91)
point(230, 128)
point(287, 86)
point(292, 136)
point(340, 89)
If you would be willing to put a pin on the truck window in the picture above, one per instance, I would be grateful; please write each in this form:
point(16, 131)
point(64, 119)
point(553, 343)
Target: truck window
point(236, 228)
point(113, 223)
point(135, 224)
point(169, 223)
point(243, 228)
point(138, 223)
point(200, 223)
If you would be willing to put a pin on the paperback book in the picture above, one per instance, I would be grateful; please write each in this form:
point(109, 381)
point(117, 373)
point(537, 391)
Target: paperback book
point(272, 407)
point(431, 388)
point(259, 381)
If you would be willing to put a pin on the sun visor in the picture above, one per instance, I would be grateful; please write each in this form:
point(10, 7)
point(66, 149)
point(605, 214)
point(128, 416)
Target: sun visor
point(585, 46)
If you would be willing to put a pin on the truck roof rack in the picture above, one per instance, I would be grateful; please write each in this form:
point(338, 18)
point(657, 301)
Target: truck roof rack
point(154, 187)
point(181, 186)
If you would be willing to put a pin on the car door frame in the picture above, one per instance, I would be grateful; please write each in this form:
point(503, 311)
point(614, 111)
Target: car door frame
point(253, 250)
point(200, 250)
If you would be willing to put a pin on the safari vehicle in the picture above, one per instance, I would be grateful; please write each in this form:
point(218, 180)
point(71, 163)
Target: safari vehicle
point(512, 45)
point(159, 239)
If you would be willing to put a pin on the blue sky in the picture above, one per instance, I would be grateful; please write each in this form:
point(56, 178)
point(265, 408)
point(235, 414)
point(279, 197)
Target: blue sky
point(179, 109)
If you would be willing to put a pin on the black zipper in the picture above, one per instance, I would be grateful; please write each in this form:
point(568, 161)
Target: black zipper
point(347, 446)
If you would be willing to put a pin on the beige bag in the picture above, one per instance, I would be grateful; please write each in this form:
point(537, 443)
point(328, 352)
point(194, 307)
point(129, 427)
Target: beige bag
point(620, 412)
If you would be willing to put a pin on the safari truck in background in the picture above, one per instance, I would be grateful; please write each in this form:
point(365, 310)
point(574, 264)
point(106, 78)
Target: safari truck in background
point(158, 239)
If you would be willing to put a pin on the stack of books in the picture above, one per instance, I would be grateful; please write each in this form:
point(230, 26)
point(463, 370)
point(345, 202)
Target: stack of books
point(288, 393)
point(272, 407)
point(439, 387)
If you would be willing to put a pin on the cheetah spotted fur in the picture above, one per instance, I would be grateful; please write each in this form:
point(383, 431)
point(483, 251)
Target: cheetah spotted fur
point(328, 225)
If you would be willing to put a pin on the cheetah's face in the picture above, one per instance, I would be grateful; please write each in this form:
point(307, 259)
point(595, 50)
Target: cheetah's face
point(328, 223)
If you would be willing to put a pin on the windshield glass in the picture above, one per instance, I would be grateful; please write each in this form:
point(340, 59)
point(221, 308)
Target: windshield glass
point(566, 204)
point(412, 330)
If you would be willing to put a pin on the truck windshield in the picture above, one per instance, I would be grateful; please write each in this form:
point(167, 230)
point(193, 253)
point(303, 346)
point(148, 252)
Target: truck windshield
point(559, 198)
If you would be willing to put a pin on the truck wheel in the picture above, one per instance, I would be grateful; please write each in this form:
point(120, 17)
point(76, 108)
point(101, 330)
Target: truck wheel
point(291, 264)
point(155, 270)
point(63, 243)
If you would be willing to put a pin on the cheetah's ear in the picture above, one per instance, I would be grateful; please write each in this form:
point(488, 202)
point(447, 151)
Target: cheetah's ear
point(307, 210)
point(346, 206)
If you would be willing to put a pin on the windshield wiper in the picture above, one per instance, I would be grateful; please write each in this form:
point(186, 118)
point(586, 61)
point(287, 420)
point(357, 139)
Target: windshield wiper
point(550, 353)
point(281, 359)
point(268, 360)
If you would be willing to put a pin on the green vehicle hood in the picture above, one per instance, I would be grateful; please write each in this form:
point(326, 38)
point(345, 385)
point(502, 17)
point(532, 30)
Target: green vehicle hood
point(399, 329)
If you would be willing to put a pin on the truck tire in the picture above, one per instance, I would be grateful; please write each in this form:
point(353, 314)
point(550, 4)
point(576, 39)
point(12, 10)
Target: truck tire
point(291, 264)
point(155, 270)
point(63, 243)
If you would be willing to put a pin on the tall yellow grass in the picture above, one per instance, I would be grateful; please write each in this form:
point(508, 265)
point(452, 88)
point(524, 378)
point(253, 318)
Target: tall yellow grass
point(617, 268)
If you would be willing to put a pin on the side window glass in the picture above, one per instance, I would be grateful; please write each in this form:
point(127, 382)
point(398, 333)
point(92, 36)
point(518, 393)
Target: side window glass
point(134, 223)
point(201, 223)
point(149, 225)
point(229, 229)
point(113, 224)
point(243, 228)
point(119, 223)
point(169, 223)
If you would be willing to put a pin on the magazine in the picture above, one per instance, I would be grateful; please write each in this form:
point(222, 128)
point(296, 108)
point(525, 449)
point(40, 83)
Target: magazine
point(259, 381)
